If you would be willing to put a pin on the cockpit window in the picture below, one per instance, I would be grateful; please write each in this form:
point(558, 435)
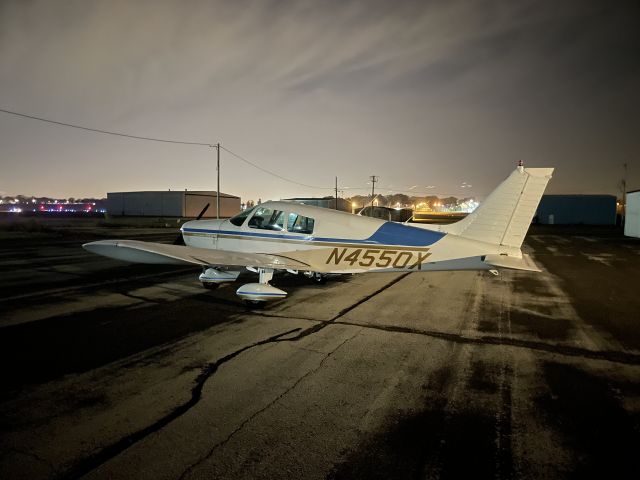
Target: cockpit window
point(239, 219)
point(267, 219)
point(299, 224)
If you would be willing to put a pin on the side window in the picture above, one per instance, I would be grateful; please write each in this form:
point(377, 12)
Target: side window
point(299, 224)
point(267, 219)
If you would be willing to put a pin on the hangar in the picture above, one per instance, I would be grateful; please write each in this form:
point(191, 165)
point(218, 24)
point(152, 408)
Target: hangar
point(171, 204)
point(577, 210)
point(632, 215)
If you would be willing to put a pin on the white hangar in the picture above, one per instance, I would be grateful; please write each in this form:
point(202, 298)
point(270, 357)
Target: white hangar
point(171, 204)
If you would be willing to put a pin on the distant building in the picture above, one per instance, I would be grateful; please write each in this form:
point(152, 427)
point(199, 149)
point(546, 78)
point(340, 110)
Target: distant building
point(170, 204)
point(576, 210)
point(632, 216)
point(324, 202)
point(386, 213)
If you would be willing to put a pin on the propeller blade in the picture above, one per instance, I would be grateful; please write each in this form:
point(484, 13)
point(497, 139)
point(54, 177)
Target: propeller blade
point(179, 239)
point(203, 210)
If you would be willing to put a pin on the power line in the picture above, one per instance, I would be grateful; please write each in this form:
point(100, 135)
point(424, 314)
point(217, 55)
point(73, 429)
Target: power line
point(182, 142)
point(271, 173)
point(106, 132)
point(409, 193)
point(152, 139)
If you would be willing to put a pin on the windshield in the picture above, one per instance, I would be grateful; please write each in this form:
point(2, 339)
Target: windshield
point(239, 219)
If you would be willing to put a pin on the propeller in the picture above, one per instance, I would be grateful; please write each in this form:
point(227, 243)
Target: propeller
point(179, 239)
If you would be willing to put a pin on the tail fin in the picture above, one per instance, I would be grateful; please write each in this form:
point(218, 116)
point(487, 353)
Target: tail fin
point(504, 217)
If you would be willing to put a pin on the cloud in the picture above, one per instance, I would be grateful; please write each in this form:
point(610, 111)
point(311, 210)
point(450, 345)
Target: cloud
point(314, 89)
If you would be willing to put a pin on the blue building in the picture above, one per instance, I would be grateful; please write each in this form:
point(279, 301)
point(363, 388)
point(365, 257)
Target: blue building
point(577, 210)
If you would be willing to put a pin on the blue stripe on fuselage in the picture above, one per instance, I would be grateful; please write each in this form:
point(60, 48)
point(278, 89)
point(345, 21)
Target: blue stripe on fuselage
point(388, 234)
point(399, 234)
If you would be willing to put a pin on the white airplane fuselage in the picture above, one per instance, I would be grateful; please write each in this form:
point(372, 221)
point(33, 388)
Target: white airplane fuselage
point(344, 243)
point(317, 241)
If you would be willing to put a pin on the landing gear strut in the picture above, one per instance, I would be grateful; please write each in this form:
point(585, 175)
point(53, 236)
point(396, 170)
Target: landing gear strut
point(316, 277)
point(319, 278)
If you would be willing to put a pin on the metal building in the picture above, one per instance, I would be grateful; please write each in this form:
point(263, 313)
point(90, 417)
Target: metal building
point(386, 213)
point(632, 215)
point(170, 204)
point(577, 210)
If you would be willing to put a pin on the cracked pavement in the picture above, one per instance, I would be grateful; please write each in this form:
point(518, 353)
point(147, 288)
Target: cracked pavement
point(136, 372)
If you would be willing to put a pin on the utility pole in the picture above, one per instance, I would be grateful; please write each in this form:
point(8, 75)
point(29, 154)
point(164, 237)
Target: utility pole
point(374, 179)
point(624, 194)
point(336, 193)
point(218, 187)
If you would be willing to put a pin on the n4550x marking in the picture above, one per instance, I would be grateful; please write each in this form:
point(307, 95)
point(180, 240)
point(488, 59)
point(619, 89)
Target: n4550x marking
point(376, 257)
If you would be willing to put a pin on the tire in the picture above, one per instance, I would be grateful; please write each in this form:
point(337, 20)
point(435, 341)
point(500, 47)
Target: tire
point(319, 278)
point(210, 285)
point(255, 304)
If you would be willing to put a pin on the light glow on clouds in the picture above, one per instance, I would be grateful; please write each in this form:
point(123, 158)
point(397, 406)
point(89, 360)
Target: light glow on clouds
point(414, 92)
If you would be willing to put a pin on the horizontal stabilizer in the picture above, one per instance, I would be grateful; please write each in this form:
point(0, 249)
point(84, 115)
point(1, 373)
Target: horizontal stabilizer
point(161, 253)
point(503, 261)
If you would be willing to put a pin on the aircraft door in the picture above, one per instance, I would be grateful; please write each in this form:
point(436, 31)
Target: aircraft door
point(230, 231)
point(214, 237)
point(264, 230)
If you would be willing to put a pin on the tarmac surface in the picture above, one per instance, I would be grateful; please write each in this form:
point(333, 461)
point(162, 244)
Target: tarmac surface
point(131, 371)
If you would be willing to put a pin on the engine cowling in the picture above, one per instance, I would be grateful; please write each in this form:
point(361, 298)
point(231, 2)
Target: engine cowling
point(260, 292)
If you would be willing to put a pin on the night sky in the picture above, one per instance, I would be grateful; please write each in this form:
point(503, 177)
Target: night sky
point(423, 94)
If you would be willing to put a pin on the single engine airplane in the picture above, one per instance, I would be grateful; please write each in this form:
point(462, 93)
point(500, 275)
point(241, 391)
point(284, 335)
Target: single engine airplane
point(282, 235)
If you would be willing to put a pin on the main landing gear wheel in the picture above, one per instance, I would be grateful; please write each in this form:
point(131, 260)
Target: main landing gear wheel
point(319, 278)
point(255, 304)
point(210, 285)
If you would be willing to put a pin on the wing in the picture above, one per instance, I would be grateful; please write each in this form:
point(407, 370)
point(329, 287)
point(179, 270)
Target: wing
point(161, 253)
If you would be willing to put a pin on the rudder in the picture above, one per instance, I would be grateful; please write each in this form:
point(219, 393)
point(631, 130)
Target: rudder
point(504, 217)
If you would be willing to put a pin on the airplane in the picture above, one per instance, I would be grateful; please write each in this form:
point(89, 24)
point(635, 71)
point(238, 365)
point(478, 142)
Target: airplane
point(318, 242)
